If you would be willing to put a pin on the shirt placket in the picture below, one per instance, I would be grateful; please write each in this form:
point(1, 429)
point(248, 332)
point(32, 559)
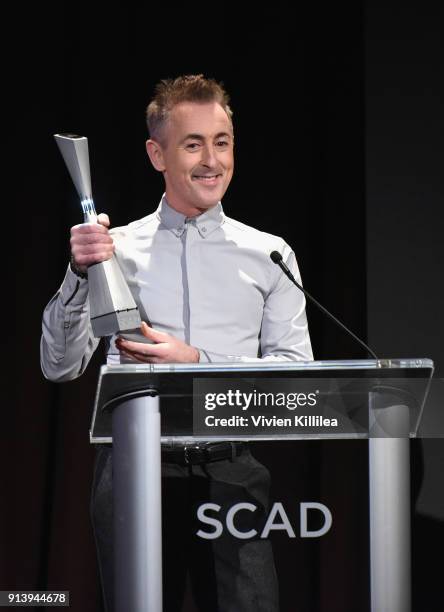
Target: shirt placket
point(191, 236)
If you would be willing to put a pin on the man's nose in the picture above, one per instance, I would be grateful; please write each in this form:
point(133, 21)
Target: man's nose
point(209, 156)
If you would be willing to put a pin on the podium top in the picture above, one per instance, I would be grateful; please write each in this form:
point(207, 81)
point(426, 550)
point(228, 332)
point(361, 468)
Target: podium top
point(272, 366)
point(176, 383)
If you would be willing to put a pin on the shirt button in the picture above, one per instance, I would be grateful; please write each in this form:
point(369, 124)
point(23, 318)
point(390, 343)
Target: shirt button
point(204, 229)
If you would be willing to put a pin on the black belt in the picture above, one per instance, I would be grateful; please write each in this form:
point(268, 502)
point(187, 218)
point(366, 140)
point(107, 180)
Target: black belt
point(197, 454)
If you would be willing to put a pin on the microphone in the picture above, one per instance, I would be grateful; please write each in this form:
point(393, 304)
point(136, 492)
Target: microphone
point(276, 258)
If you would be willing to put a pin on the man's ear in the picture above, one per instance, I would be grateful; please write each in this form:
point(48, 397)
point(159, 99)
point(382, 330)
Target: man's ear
point(155, 153)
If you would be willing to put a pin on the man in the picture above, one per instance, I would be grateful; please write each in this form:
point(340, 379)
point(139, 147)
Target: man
point(207, 291)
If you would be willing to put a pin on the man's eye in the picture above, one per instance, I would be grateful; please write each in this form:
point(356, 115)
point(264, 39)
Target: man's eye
point(222, 143)
point(192, 146)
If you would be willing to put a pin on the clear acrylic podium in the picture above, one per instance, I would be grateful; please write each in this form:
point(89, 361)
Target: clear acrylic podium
point(138, 407)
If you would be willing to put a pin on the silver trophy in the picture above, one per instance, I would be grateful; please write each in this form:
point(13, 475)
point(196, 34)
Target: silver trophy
point(112, 307)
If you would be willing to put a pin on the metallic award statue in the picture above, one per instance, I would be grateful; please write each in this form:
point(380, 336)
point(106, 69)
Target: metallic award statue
point(112, 307)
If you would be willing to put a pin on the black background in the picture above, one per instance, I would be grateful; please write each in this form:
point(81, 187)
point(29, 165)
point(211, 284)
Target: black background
point(339, 149)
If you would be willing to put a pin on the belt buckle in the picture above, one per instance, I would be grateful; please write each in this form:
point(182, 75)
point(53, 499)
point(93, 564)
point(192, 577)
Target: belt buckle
point(189, 451)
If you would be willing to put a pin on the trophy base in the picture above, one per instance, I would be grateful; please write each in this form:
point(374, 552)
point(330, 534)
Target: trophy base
point(115, 322)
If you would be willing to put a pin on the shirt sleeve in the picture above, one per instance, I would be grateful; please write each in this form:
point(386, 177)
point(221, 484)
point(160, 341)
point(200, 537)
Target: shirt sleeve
point(67, 341)
point(284, 332)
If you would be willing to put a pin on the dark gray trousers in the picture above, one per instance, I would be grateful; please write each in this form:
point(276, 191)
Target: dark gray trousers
point(227, 574)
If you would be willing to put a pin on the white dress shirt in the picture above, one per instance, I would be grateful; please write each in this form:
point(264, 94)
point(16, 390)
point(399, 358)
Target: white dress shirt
point(208, 280)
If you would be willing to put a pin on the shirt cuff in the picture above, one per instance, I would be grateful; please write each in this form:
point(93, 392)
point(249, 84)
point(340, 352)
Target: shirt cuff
point(74, 290)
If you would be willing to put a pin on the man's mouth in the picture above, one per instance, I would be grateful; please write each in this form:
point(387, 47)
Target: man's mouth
point(206, 178)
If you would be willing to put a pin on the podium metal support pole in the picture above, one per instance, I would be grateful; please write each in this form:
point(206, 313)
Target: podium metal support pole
point(389, 488)
point(137, 505)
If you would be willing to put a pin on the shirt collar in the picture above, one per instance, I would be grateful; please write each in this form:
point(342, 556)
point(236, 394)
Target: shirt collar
point(175, 221)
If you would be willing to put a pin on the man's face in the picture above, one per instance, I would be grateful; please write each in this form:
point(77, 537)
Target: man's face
point(196, 156)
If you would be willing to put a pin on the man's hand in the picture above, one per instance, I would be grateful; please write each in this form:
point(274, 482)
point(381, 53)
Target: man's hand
point(91, 243)
point(167, 349)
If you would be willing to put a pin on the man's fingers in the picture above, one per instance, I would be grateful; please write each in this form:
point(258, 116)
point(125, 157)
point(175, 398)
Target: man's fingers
point(103, 219)
point(153, 334)
point(151, 356)
point(85, 239)
point(127, 353)
point(140, 348)
point(91, 247)
point(167, 349)
point(89, 228)
point(143, 358)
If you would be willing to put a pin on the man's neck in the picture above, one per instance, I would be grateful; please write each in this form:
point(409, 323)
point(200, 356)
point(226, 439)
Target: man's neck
point(187, 211)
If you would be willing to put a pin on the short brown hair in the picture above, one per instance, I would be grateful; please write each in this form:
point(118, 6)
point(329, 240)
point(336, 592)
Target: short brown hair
point(189, 88)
